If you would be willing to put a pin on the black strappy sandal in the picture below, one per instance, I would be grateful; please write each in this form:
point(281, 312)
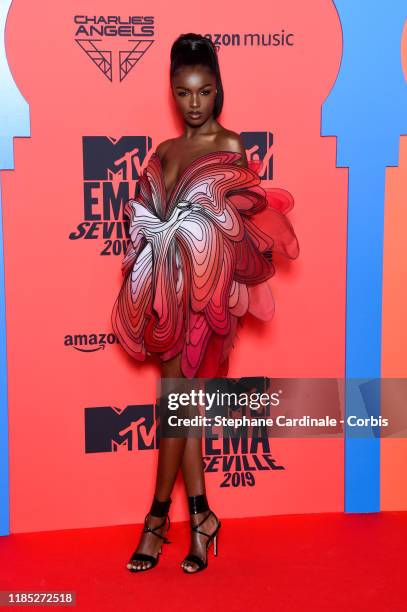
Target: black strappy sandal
point(158, 509)
point(198, 504)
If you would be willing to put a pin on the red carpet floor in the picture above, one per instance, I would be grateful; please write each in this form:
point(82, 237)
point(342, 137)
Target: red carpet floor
point(313, 562)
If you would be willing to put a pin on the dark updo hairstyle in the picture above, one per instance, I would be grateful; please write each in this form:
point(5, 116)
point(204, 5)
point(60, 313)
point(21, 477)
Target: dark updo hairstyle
point(191, 49)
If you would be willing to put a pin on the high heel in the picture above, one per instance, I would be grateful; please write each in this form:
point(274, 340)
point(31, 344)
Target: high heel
point(158, 509)
point(198, 504)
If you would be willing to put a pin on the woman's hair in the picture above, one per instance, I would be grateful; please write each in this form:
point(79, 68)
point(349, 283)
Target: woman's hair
point(191, 49)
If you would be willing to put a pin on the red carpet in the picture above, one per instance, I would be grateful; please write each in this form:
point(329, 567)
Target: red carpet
point(315, 562)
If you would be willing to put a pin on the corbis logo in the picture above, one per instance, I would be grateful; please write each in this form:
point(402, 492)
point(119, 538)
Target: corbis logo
point(111, 169)
point(114, 44)
point(237, 454)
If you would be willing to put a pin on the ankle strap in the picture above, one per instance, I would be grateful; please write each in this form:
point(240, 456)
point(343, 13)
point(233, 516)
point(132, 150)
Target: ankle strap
point(153, 530)
point(160, 508)
point(197, 503)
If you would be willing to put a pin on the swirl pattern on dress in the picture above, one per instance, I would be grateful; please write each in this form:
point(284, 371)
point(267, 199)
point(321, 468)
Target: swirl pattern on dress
point(199, 260)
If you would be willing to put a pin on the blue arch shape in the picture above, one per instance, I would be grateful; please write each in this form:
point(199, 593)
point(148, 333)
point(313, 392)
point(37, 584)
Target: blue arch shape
point(366, 111)
point(14, 121)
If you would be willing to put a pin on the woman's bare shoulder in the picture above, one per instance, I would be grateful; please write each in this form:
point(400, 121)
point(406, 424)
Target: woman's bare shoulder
point(163, 147)
point(227, 140)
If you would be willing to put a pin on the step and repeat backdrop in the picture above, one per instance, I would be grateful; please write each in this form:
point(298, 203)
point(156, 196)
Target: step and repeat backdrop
point(86, 100)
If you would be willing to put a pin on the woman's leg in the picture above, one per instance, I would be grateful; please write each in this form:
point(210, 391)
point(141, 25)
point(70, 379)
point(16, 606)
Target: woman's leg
point(193, 473)
point(169, 460)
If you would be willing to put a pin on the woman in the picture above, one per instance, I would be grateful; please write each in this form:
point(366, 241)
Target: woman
point(197, 262)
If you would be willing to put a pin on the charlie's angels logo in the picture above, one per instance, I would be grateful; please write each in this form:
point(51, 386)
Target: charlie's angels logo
point(114, 44)
point(111, 169)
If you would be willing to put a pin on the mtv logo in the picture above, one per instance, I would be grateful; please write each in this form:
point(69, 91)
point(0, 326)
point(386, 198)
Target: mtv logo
point(110, 429)
point(258, 147)
point(105, 157)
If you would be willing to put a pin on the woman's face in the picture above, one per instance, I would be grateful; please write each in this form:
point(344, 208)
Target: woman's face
point(194, 91)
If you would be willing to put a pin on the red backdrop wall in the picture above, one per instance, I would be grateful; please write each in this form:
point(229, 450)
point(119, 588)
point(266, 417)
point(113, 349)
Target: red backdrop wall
point(67, 375)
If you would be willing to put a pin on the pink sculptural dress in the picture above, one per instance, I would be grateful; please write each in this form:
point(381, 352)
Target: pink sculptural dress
point(199, 261)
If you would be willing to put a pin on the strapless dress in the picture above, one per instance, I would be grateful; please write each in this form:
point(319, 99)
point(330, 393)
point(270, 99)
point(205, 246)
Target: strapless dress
point(199, 260)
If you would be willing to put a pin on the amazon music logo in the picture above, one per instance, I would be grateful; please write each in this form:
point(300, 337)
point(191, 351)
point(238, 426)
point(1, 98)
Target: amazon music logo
point(259, 148)
point(111, 429)
point(252, 39)
point(89, 343)
point(114, 44)
point(111, 169)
